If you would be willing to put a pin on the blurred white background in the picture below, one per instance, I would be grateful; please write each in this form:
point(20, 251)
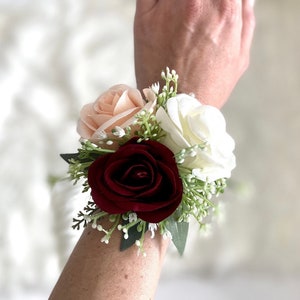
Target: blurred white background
point(57, 55)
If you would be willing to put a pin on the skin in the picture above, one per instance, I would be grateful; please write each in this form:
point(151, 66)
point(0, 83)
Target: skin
point(208, 43)
point(97, 270)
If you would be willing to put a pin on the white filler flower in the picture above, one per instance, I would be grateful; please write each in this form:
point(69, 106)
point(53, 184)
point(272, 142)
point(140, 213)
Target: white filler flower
point(187, 123)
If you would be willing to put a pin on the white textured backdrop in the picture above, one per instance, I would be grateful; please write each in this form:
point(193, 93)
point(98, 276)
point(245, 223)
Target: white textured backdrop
point(57, 55)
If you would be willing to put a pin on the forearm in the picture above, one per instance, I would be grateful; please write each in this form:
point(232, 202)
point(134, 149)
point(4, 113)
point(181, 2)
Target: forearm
point(97, 270)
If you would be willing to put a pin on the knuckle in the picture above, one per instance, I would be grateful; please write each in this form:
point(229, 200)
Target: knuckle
point(250, 17)
point(193, 9)
point(229, 12)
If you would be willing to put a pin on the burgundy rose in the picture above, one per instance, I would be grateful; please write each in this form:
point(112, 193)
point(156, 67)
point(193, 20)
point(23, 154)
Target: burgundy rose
point(139, 177)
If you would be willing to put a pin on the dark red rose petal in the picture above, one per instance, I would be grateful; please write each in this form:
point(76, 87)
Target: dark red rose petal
point(140, 177)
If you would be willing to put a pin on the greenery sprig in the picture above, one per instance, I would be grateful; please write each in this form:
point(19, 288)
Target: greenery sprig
point(79, 162)
point(169, 90)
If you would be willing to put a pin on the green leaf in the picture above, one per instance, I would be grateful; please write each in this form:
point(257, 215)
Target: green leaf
point(69, 156)
point(133, 235)
point(179, 231)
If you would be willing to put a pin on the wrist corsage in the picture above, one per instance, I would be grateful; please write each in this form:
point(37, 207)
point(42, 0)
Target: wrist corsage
point(150, 164)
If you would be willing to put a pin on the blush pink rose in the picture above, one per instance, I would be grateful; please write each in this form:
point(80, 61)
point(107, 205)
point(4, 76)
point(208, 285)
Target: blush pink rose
point(115, 107)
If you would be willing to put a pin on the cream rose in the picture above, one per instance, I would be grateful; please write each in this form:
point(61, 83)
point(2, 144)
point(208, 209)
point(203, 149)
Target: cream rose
point(114, 108)
point(187, 122)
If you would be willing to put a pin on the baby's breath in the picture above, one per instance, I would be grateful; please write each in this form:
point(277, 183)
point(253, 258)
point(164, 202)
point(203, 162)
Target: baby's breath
point(148, 126)
point(189, 152)
point(169, 90)
point(197, 196)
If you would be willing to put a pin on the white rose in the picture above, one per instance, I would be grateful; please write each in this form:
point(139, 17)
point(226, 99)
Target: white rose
point(187, 122)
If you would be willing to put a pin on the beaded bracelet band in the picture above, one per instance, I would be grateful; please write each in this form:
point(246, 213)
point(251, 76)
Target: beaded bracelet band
point(150, 164)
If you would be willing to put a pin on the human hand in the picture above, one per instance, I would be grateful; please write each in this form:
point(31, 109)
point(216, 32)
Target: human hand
point(207, 43)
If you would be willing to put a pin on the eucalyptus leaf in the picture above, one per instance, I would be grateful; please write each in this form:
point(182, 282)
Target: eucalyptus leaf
point(68, 156)
point(179, 231)
point(133, 235)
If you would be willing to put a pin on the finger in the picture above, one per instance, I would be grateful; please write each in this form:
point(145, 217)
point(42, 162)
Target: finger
point(144, 6)
point(248, 24)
